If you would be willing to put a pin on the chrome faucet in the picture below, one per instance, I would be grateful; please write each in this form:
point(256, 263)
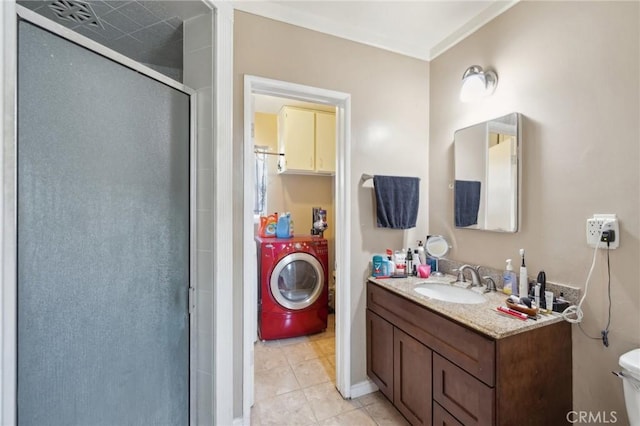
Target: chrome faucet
point(491, 284)
point(475, 275)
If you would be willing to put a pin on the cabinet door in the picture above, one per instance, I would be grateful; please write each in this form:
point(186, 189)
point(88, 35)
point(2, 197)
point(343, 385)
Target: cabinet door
point(325, 142)
point(380, 353)
point(412, 378)
point(296, 139)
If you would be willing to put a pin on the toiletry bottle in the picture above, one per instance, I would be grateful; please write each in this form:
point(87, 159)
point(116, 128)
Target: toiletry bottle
point(523, 291)
point(422, 255)
point(409, 262)
point(509, 280)
point(376, 266)
point(391, 263)
point(542, 280)
point(431, 261)
point(416, 262)
point(400, 259)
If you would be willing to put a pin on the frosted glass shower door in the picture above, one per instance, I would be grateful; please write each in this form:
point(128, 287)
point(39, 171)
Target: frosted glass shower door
point(103, 240)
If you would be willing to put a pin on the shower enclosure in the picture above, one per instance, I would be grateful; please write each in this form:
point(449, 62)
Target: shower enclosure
point(103, 230)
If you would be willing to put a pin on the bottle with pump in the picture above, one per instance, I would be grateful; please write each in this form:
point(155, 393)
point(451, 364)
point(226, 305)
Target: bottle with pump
point(524, 283)
point(509, 280)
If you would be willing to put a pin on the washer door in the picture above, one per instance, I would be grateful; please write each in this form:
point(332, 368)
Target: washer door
point(297, 281)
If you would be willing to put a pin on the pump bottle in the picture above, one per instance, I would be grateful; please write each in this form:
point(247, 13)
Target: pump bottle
point(509, 280)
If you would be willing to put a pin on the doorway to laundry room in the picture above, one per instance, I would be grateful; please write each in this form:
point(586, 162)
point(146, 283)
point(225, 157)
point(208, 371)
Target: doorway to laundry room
point(294, 141)
point(294, 149)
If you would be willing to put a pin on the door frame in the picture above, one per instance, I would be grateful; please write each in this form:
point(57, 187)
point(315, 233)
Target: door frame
point(10, 13)
point(254, 85)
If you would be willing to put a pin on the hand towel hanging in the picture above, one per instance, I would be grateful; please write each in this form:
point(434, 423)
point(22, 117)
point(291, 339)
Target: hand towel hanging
point(397, 200)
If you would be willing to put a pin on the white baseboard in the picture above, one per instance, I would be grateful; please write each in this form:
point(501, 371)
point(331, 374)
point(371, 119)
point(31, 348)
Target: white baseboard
point(363, 388)
point(238, 421)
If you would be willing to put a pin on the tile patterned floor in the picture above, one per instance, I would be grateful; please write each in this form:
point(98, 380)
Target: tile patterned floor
point(295, 385)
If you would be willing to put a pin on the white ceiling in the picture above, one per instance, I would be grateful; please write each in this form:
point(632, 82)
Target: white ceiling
point(420, 28)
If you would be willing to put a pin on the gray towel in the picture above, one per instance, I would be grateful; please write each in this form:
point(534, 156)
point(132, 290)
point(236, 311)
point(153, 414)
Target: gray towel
point(467, 202)
point(397, 200)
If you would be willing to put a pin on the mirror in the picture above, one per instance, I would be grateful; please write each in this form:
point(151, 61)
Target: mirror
point(487, 175)
point(436, 247)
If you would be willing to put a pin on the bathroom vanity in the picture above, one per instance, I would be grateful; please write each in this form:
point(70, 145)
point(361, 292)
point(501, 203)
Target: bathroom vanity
point(443, 363)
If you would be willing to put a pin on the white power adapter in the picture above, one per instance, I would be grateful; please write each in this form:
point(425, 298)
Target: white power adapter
point(597, 225)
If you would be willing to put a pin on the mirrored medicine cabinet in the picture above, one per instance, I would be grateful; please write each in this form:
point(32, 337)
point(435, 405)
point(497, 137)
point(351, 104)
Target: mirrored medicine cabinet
point(487, 164)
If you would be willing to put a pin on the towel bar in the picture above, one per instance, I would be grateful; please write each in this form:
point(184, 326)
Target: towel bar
point(255, 151)
point(365, 177)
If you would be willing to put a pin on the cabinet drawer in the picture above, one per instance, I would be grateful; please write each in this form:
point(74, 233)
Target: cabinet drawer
point(465, 397)
point(466, 348)
point(441, 417)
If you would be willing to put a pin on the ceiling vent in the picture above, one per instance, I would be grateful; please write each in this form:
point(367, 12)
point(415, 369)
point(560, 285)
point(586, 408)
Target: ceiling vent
point(76, 11)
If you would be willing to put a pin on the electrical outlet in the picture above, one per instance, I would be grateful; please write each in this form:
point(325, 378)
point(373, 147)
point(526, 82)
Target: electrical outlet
point(599, 223)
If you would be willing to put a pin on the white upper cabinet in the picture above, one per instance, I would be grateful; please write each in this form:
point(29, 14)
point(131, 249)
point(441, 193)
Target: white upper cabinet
point(325, 142)
point(307, 138)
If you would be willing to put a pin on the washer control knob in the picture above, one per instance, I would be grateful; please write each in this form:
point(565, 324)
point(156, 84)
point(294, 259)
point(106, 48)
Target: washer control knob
point(298, 246)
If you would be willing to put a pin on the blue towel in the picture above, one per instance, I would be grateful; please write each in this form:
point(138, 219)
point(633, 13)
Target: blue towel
point(397, 200)
point(467, 202)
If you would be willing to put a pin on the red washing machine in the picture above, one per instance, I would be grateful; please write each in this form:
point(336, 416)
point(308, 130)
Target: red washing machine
point(293, 293)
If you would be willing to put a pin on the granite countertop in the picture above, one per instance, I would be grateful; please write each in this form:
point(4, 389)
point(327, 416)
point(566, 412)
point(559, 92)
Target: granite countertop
point(482, 317)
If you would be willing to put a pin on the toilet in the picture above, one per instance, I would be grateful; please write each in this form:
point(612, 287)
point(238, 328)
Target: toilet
point(630, 363)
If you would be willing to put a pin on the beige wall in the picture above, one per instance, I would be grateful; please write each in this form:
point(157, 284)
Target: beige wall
point(572, 69)
point(389, 130)
point(297, 194)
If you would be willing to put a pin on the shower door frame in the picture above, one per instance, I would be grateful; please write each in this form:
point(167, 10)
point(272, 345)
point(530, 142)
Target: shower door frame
point(10, 13)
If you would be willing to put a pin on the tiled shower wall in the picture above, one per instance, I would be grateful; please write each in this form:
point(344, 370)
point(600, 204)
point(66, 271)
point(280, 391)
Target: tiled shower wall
point(198, 75)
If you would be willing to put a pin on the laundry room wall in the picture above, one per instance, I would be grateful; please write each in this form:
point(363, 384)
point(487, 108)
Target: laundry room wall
point(297, 194)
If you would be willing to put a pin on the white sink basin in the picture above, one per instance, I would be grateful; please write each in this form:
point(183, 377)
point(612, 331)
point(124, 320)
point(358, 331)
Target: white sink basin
point(449, 293)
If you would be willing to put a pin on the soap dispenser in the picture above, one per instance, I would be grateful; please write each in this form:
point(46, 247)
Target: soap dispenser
point(509, 285)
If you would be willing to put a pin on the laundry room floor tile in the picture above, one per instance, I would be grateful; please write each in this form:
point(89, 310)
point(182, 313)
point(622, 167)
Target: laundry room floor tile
point(301, 352)
point(268, 357)
point(312, 372)
point(275, 381)
point(289, 408)
point(295, 386)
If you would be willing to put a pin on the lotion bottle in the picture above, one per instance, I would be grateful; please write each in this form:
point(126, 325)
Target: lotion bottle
point(509, 280)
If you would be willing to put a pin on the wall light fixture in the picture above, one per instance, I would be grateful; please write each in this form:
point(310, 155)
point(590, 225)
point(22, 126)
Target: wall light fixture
point(477, 83)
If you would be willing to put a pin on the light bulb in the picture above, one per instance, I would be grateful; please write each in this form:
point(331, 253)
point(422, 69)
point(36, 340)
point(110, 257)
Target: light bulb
point(473, 87)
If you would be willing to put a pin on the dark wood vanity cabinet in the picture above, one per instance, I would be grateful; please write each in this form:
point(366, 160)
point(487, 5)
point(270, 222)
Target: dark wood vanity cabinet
point(400, 366)
point(439, 372)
